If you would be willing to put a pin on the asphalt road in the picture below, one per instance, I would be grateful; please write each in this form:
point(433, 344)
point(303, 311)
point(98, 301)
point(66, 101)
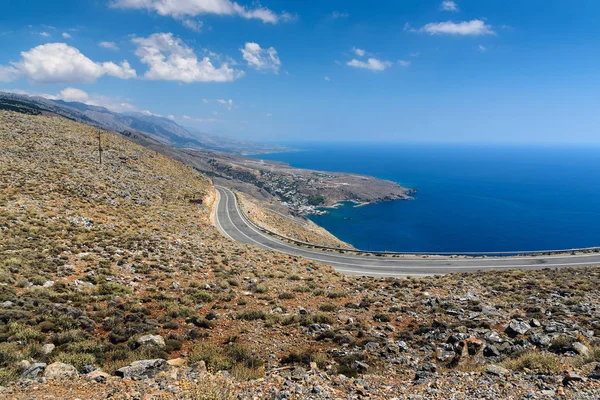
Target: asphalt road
point(230, 222)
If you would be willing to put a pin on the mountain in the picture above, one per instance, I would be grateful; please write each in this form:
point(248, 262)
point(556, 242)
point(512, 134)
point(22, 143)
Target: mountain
point(158, 128)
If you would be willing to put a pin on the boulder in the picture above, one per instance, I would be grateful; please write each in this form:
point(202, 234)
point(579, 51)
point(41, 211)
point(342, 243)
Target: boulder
point(572, 377)
point(142, 369)
point(177, 362)
point(98, 376)
point(60, 370)
point(151, 341)
point(515, 328)
point(496, 370)
point(33, 371)
point(581, 349)
point(48, 348)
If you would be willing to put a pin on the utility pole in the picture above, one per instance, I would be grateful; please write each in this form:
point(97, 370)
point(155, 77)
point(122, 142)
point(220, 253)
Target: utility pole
point(100, 147)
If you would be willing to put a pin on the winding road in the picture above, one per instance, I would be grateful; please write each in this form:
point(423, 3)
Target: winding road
point(229, 220)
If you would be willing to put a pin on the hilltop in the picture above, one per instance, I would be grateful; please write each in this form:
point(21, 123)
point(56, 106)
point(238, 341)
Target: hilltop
point(113, 276)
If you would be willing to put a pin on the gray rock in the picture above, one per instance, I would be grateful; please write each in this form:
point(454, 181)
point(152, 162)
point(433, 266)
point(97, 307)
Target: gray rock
point(48, 284)
point(151, 341)
point(595, 374)
point(60, 370)
point(48, 348)
point(23, 365)
point(540, 340)
point(33, 371)
point(515, 328)
point(496, 370)
point(7, 304)
point(491, 351)
point(142, 369)
point(581, 349)
point(572, 377)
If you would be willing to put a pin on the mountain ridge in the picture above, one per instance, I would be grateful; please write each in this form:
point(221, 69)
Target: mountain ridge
point(161, 129)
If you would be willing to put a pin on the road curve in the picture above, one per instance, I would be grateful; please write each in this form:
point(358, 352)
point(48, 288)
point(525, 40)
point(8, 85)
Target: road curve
point(231, 223)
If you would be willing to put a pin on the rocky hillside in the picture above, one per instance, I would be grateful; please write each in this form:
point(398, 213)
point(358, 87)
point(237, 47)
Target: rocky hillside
point(114, 284)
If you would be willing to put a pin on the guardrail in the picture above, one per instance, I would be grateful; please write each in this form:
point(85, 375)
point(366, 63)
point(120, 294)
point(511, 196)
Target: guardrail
point(405, 253)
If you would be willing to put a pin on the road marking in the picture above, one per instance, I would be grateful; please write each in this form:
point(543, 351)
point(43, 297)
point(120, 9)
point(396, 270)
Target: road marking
point(218, 223)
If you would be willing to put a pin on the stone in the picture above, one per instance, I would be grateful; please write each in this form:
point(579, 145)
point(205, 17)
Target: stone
point(151, 341)
point(48, 348)
point(33, 371)
point(142, 369)
point(60, 370)
point(581, 349)
point(491, 351)
point(572, 377)
point(7, 304)
point(177, 362)
point(515, 328)
point(23, 365)
point(496, 370)
point(98, 376)
point(595, 374)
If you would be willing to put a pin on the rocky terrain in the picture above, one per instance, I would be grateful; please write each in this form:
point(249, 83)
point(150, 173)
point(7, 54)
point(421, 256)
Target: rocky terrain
point(114, 284)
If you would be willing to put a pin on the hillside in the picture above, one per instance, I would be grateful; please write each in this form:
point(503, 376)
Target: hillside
point(109, 271)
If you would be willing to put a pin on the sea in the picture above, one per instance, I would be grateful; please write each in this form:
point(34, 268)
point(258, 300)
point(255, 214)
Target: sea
point(469, 197)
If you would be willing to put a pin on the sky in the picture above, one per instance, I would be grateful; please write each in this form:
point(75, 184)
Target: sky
point(485, 71)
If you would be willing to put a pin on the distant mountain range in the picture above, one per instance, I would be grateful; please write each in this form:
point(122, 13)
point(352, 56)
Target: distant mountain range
point(163, 130)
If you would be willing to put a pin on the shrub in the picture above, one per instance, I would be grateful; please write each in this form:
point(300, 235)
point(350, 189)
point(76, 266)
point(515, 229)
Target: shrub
point(207, 387)
point(251, 315)
point(328, 307)
point(78, 360)
point(286, 296)
point(536, 361)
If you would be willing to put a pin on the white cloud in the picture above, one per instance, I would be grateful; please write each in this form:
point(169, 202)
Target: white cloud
point(448, 5)
point(227, 103)
point(474, 27)
point(171, 117)
point(359, 52)
point(261, 59)
point(372, 64)
point(77, 95)
point(404, 63)
point(168, 58)
point(192, 8)
point(192, 24)
point(66, 35)
point(45, 34)
point(109, 45)
point(415, 54)
point(61, 63)
point(8, 73)
point(269, 115)
point(481, 48)
point(328, 79)
point(205, 101)
point(339, 14)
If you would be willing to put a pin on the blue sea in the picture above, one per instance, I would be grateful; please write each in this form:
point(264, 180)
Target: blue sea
point(469, 197)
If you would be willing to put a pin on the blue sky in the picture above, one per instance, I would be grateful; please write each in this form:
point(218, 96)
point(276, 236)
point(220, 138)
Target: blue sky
point(297, 70)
